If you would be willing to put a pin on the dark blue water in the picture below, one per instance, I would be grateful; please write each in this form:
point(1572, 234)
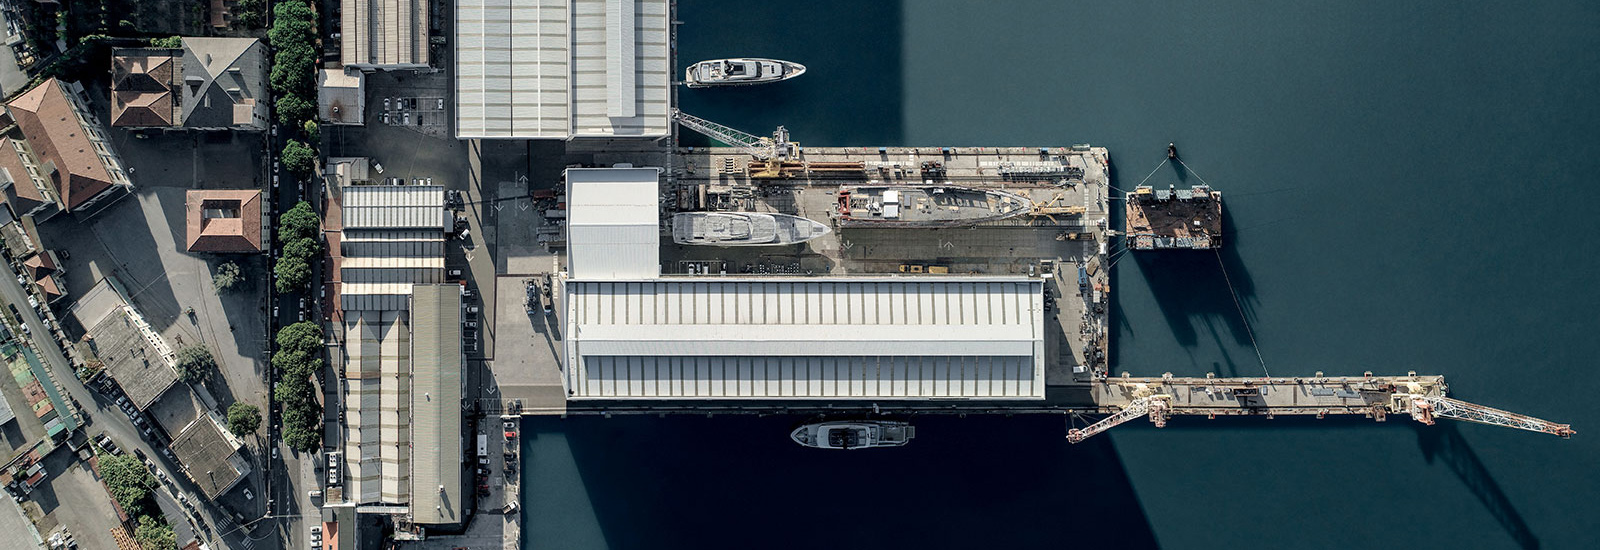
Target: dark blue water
point(1408, 188)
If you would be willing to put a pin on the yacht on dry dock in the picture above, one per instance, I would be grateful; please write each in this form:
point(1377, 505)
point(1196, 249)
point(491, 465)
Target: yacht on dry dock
point(926, 206)
point(742, 71)
point(743, 229)
point(859, 434)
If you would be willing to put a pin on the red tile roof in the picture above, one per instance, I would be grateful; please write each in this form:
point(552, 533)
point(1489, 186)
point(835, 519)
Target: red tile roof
point(65, 154)
point(238, 230)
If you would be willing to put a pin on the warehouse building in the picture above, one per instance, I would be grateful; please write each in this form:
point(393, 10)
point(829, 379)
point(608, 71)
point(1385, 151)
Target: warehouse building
point(563, 69)
point(633, 334)
point(400, 328)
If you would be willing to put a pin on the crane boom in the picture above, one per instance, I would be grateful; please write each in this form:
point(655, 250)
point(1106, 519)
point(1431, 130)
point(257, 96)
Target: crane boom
point(1155, 406)
point(1425, 409)
point(759, 147)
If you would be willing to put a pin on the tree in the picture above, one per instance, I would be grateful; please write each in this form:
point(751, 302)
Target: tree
point(307, 248)
point(128, 481)
point(243, 418)
point(248, 14)
point(313, 132)
point(304, 337)
point(293, 109)
point(195, 364)
point(171, 42)
point(227, 277)
point(299, 158)
point(298, 223)
point(293, 273)
point(154, 534)
point(301, 438)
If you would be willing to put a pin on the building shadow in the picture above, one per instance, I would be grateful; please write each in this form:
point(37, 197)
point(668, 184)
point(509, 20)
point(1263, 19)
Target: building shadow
point(1192, 288)
point(848, 96)
point(1443, 442)
point(738, 482)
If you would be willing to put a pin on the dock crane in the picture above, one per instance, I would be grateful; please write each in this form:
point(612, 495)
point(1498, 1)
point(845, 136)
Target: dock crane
point(1159, 399)
point(762, 148)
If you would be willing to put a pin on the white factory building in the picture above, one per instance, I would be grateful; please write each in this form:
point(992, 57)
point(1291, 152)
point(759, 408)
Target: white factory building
point(634, 334)
point(562, 69)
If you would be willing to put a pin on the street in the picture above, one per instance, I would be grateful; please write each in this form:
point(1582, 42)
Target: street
point(105, 417)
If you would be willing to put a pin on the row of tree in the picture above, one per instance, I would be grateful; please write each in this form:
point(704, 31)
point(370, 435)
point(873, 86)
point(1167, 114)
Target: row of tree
point(298, 229)
point(130, 484)
point(297, 361)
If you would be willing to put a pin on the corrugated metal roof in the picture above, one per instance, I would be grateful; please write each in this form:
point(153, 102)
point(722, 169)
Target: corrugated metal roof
point(377, 406)
point(394, 207)
point(436, 404)
point(385, 33)
point(811, 338)
point(539, 68)
point(597, 46)
point(613, 223)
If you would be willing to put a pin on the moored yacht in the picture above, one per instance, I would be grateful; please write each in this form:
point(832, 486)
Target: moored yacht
point(856, 434)
point(743, 229)
point(741, 71)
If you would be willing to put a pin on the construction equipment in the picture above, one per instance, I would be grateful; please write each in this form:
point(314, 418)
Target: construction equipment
point(1422, 397)
point(1426, 408)
point(1056, 206)
point(1156, 406)
point(776, 147)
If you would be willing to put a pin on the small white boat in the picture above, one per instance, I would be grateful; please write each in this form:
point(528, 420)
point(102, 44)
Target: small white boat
point(858, 434)
point(742, 71)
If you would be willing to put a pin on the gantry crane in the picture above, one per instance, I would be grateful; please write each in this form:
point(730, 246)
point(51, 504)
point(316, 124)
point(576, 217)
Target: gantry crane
point(1425, 408)
point(776, 147)
point(1376, 397)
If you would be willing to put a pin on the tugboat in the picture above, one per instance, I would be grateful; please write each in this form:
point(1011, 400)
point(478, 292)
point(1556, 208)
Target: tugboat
point(742, 71)
point(1172, 150)
point(743, 229)
point(858, 434)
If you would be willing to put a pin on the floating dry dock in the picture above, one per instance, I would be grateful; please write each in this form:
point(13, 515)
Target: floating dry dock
point(1188, 219)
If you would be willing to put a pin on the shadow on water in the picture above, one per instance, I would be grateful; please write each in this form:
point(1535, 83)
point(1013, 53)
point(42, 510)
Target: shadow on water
point(738, 482)
point(1445, 443)
point(849, 96)
point(1192, 288)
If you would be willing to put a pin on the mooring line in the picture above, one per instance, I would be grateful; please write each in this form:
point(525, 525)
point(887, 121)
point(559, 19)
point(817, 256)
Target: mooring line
point(1153, 172)
point(1191, 171)
point(1240, 307)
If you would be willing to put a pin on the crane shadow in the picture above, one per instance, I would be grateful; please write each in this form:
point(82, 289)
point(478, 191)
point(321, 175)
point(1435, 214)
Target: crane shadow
point(1445, 443)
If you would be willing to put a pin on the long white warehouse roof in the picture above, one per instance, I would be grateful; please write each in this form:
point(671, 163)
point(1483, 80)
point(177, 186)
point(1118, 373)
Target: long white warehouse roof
point(815, 338)
point(562, 69)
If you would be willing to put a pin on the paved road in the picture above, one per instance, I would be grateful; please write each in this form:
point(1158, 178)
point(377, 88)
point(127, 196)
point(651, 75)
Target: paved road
point(104, 416)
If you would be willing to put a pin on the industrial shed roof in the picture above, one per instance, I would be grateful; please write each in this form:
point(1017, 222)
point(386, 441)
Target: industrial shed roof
point(613, 223)
point(377, 406)
point(562, 68)
point(436, 404)
point(394, 207)
point(814, 338)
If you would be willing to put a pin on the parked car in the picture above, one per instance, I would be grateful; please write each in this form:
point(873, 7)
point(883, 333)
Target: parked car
point(249, 495)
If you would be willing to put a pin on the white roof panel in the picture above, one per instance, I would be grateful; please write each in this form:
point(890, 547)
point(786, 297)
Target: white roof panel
point(806, 338)
point(613, 223)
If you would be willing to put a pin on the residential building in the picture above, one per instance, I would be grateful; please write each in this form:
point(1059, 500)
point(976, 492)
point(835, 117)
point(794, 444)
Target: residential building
point(563, 69)
point(64, 147)
point(208, 84)
point(224, 220)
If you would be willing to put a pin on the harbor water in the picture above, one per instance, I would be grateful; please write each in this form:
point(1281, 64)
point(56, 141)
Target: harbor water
point(1406, 186)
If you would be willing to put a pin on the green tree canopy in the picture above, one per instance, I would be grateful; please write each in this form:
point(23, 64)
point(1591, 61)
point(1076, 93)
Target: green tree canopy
point(154, 534)
point(195, 364)
point(298, 223)
point(293, 274)
point(299, 158)
point(128, 481)
point(227, 277)
point(172, 42)
point(243, 418)
point(293, 110)
point(304, 337)
point(295, 363)
point(313, 131)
